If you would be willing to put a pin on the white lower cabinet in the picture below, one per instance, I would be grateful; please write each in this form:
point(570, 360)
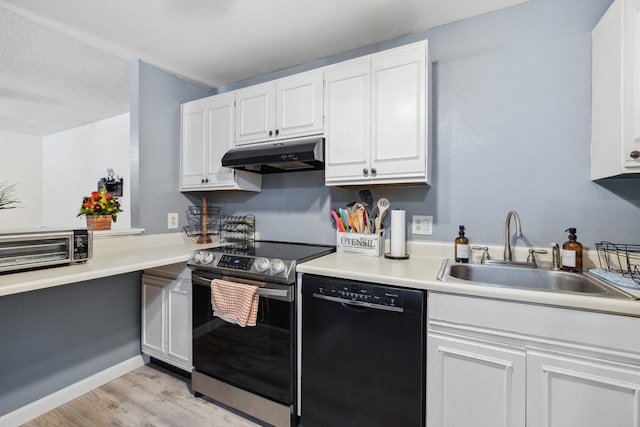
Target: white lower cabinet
point(166, 319)
point(474, 383)
point(565, 389)
point(498, 363)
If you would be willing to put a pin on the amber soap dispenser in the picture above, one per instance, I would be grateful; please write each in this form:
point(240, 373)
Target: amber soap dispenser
point(572, 252)
point(462, 246)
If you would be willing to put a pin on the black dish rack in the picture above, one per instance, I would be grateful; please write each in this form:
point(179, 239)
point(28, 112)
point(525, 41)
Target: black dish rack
point(620, 258)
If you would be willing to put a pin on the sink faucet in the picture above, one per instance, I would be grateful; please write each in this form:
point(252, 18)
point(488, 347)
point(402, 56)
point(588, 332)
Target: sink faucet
point(508, 256)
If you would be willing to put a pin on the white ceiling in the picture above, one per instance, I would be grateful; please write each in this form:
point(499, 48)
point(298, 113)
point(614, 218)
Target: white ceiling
point(65, 63)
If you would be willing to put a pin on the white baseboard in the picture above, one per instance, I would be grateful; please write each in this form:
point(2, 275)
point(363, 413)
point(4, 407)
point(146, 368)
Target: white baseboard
point(60, 397)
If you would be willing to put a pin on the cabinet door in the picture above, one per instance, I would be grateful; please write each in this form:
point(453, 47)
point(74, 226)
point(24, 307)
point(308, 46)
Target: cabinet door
point(565, 390)
point(474, 383)
point(347, 105)
point(153, 316)
point(615, 100)
point(255, 113)
point(192, 145)
point(299, 105)
point(179, 323)
point(631, 83)
point(220, 117)
point(398, 123)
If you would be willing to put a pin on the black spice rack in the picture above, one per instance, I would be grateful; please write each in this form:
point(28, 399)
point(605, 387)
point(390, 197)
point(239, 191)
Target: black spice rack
point(620, 258)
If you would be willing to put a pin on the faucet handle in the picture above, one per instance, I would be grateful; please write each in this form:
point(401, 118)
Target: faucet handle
point(485, 253)
point(555, 261)
point(531, 259)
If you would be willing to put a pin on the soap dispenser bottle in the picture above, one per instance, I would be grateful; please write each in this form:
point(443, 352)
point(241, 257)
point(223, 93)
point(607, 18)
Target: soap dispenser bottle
point(462, 246)
point(572, 252)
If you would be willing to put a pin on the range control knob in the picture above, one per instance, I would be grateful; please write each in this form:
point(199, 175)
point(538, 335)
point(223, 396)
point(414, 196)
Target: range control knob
point(262, 264)
point(197, 257)
point(277, 266)
point(207, 257)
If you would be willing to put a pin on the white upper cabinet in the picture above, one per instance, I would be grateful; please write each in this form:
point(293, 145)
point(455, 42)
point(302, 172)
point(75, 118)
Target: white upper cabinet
point(207, 133)
point(376, 112)
point(348, 121)
point(285, 108)
point(615, 133)
point(256, 113)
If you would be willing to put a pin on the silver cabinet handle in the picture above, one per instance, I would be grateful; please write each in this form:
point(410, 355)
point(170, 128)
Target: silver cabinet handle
point(365, 172)
point(634, 154)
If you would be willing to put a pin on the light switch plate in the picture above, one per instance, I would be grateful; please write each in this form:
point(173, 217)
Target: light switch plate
point(172, 220)
point(422, 224)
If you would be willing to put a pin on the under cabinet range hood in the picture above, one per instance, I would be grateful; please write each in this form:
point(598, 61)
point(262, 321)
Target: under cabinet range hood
point(289, 155)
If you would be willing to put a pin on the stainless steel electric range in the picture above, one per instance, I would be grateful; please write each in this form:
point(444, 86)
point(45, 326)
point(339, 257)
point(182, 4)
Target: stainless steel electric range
point(251, 369)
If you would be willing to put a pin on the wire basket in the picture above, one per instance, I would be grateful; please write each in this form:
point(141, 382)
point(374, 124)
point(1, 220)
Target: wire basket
point(196, 214)
point(204, 223)
point(620, 258)
point(195, 233)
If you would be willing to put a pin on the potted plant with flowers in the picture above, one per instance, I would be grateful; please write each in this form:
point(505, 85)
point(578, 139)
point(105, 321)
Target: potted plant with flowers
point(100, 209)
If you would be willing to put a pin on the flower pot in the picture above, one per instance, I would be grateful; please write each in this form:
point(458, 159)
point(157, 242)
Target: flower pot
point(99, 222)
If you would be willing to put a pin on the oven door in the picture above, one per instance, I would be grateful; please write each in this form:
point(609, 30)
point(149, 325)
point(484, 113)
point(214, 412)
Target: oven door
point(259, 359)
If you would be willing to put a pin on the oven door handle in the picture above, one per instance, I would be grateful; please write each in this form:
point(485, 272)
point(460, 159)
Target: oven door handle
point(283, 293)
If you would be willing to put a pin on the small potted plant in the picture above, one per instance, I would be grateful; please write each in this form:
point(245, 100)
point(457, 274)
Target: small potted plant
point(100, 209)
point(7, 195)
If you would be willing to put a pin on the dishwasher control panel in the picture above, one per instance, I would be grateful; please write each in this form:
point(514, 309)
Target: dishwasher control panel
point(363, 294)
point(375, 295)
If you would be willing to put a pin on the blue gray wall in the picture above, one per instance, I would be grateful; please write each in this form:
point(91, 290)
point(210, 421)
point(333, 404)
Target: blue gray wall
point(511, 113)
point(155, 145)
point(55, 337)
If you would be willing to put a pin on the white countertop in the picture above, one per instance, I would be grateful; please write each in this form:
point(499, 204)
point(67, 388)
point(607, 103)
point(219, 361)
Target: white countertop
point(422, 267)
point(112, 255)
point(127, 253)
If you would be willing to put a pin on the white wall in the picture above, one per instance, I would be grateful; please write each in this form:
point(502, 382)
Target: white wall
point(21, 164)
point(74, 162)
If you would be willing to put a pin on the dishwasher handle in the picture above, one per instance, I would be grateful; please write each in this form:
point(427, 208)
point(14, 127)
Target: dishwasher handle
point(357, 303)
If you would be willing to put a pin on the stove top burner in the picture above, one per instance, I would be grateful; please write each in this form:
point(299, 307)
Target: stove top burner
point(261, 260)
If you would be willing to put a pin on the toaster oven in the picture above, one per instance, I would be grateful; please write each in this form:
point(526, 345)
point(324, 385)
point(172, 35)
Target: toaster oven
point(21, 250)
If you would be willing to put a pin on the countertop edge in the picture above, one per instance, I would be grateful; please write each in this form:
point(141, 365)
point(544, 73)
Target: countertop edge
point(110, 259)
point(420, 272)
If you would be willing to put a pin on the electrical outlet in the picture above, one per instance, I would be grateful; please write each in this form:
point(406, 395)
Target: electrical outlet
point(172, 221)
point(421, 224)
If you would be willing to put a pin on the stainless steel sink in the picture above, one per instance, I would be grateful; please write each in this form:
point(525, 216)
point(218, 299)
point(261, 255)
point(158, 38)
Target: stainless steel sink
point(514, 276)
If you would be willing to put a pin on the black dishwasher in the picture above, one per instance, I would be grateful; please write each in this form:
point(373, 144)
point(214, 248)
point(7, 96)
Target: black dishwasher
point(363, 354)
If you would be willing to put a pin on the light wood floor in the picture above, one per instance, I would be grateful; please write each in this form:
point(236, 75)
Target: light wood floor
point(148, 396)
